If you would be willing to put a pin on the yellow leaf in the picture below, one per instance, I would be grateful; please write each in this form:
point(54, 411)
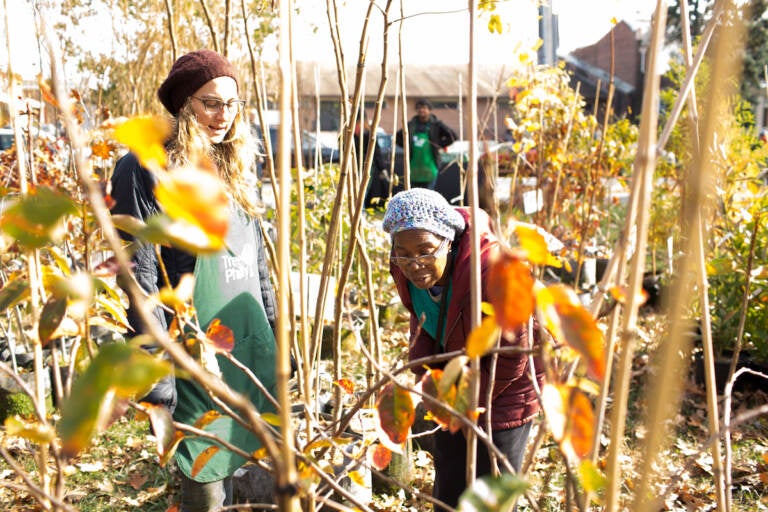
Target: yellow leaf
point(483, 338)
point(271, 418)
point(357, 478)
point(34, 431)
point(145, 136)
point(535, 245)
point(494, 24)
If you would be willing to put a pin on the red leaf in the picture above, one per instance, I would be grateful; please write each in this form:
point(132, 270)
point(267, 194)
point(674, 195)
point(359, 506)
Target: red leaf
point(222, 336)
point(396, 412)
point(380, 457)
point(430, 385)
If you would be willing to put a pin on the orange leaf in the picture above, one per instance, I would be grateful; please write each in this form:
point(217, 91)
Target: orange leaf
point(396, 412)
point(198, 198)
point(222, 336)
point(621, 295)
point(570, 418)
point(203, 459)
point(581, 423)
point(101, 149)
point(145, 137)
point(207, 418)
point(483, 338)
point(511, 291)
point(562, 313)
point(46, 92)
point(346, 385)
point(380, 457)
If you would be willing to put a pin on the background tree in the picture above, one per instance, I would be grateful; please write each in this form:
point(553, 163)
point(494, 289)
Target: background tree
point(755, 50)
point(699, 12)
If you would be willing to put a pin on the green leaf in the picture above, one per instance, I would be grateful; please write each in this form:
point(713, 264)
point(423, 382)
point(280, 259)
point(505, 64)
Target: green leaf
point(12, 293)
point(35, 219)
point(118, 370)
point(396, 412)
point(493, 494)
point(128, 224)
point(51, 316)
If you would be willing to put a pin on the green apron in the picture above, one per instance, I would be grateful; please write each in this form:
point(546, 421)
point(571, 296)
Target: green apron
point(227, 287)
point(423, 166)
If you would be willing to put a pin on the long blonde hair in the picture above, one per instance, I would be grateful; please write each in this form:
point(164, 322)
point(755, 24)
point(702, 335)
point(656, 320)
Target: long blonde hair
point(234, 157)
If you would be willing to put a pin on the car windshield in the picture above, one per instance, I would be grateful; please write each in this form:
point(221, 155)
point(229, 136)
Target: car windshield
point(384, 140)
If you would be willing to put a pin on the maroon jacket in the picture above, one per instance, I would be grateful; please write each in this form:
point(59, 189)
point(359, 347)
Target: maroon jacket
point(514, 400)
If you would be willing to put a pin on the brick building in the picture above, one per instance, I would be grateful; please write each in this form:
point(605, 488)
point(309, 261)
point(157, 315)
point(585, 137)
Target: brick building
point(619, 54)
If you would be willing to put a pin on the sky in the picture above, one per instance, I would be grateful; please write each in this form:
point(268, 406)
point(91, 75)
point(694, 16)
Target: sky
point(434, 31)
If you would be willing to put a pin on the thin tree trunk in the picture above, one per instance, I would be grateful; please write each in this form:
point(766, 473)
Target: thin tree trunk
point(211, 25)
point(643, 173)
point(667, 387)
point(171, 29)
point(286, 485)
point(474, 276)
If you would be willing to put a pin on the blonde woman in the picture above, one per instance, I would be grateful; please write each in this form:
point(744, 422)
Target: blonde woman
point(202, 94)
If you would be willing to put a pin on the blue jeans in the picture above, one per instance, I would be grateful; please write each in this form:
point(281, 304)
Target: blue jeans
point(205, 497)
point(450, 456)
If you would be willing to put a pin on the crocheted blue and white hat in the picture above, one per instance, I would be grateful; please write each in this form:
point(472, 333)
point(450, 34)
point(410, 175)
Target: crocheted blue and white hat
point(422, 208)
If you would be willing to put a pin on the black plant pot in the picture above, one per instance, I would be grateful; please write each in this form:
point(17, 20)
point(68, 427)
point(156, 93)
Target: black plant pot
point(746, 382)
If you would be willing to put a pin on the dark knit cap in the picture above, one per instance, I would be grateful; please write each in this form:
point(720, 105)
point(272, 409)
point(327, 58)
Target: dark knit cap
point(189, 73)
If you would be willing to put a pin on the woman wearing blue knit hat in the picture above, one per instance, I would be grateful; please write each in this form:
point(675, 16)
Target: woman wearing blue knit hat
point(430, 264)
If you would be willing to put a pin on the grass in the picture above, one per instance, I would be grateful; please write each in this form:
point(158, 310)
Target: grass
point(120, 472)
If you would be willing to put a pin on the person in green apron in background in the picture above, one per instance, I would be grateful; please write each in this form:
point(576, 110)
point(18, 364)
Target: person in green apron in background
point(428, 136)
point(202, 94)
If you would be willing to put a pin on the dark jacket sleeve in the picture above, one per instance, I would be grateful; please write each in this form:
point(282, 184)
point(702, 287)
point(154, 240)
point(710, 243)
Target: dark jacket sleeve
point(267, 290)
point(442, 135)
point(133, 193)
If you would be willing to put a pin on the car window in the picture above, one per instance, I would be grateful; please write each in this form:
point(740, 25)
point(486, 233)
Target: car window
point(384, 141)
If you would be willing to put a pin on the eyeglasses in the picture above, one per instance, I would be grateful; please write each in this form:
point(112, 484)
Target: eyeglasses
point(421, 260)
point(213, 106)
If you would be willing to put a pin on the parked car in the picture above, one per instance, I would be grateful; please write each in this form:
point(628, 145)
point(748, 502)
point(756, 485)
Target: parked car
point(6, 138)
point(310, 147)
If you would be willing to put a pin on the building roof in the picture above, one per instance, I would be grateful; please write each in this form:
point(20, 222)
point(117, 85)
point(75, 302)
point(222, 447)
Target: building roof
point(435, 81)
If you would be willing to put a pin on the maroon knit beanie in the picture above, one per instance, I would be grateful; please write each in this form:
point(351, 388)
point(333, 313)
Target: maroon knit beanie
point(189, 73)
